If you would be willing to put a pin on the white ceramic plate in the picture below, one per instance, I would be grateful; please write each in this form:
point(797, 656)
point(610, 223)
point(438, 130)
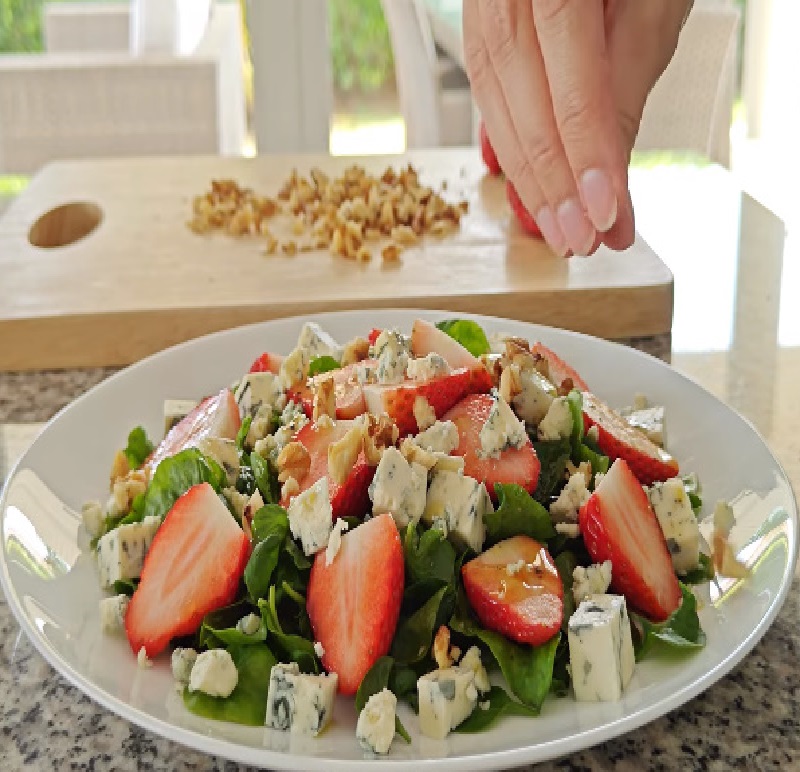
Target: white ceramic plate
point(51, 585)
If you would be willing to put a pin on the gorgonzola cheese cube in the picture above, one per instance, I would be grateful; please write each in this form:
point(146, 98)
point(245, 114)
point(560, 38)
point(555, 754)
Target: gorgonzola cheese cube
point(427, 367)
point(375, 727)
point(182, 662)
point(112, 613)
point(651, 422)
point(311, 517)
point(572, 497)
point(594, 580)
point(557, 423)
point(398, 488)
point(502, 430)
point(459, 503)
point(678, 522)
point(472, 661)
point(600, 649)
point(318, 343)
point(260, 390)
point(299, 702)
point(249, 624)
point(446, 697)
point(120, 553)
point(424, 414)
point(335, 541)
point(294, 369)
point(442, 437)
point(224, 452)
point(535, 397)
point(93, 518)
point(214, 674)
point(392, 351)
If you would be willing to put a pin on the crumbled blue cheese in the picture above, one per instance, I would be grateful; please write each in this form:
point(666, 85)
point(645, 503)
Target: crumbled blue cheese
point(112, 613)
point(214, 674)
point(535, 397)
point(93, 518)
point(182, 662)
point(424, 414)
point(557, 423)
point(570, 530)
point(335, 541)
point(458, 503)
point(678, 523)
point(502, 430)
point(224, 452)
point(569, 502)
point(600, 649)
point(441, 437)
point(446, 698)
point(472, 661)
point(318, 343)
point(294, 369)
point(319, 649)
point(427, 367)
point(120, 553)
point(259, 391)
point(249, 624)
point(299, 702)
point(392, 350)
point(311, 517)
point(375, 727)
point(651, 422)
point(593, 580)
point(398, 488)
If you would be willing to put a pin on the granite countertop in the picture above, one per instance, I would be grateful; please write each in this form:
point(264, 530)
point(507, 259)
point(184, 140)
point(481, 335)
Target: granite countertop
point(740, 342)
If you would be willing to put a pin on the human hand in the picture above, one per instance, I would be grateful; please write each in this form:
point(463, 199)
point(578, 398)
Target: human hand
point(561, 86)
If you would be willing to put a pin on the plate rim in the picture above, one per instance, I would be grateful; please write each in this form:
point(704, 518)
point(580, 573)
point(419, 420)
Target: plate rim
point(495, 759)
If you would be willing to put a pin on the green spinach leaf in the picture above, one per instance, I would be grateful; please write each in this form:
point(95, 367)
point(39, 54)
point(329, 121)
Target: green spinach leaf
point(491, 707)
point(680, 632)
point(376, 680)
point(244, 430)
point(323, 364)
point(428, 555)
point(517, 513)
point(553, 456)
point(414, 635)
point(297, 648)
point(266, 477)
point(703, 573)
point(138, 448)
point(468, 333)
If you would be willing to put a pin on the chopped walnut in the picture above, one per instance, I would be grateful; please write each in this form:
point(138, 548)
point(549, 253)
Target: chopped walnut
point(324, 397)
point(357, 350)
point(424, 414)
point(126, 489)
point(290, 488)
point(443, 653)
point(391, 253)
point(293, 461)
point(565, 387)
point(342, 455)
point(415, 454)
point(510, 383)
point(120, 468)
point(379, 434)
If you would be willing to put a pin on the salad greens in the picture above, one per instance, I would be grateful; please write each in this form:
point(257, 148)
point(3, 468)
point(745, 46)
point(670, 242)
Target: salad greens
point(517, 513)
point(468, 333)
point(323, 364)
point(680, 632)
point(138, 448)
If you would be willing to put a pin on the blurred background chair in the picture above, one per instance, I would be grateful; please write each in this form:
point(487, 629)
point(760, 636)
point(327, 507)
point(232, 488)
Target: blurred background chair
point(435, 99)
point(691, 106)
point(90, 97)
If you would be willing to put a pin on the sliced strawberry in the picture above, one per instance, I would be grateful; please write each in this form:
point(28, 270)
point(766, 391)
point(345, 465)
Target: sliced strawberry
point(427, 338)
point(524, 217)
point(347, 386)
point(488, 154)
point(520, 466)
point(618, 524)
point(374, 334)
point(193, 567)
point(350, 499)
point(267, 363)
point(515, 589)
point(618, 439)
point(216, 416)
point(397, 400)
point(559, 369)
point(354, 602)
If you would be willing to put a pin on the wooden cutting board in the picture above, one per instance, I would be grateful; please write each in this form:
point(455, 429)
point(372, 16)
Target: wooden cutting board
point(141, 280)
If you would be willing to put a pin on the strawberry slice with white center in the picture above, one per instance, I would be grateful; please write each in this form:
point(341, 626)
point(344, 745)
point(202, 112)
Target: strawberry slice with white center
point(559, 369)
point(267, 363)
point(397, 400)
point(618, 439)
point(193, 567)
point(216, 416)
point(515, 589)
point(347, 388)
point(618, 524)
point(426, 339)
point(354, 602)
point(351, 498)
point(515, 465)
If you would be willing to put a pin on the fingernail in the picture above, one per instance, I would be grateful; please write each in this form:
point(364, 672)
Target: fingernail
point(548, 225)
point(599, 198)
point(575, 226)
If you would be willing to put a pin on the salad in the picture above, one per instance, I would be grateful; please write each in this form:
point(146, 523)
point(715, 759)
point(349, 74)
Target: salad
point(438, 518)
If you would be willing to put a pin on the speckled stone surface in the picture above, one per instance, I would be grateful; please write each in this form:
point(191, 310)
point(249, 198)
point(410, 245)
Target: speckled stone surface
point(749, 720)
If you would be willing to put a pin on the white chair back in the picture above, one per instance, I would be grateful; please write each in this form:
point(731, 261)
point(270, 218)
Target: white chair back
point(690, 108)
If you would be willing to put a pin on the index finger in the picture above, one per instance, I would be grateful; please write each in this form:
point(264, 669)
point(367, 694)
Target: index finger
point(571, 35)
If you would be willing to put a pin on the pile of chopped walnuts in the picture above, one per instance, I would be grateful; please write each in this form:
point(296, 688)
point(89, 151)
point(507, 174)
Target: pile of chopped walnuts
point(352, 216)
